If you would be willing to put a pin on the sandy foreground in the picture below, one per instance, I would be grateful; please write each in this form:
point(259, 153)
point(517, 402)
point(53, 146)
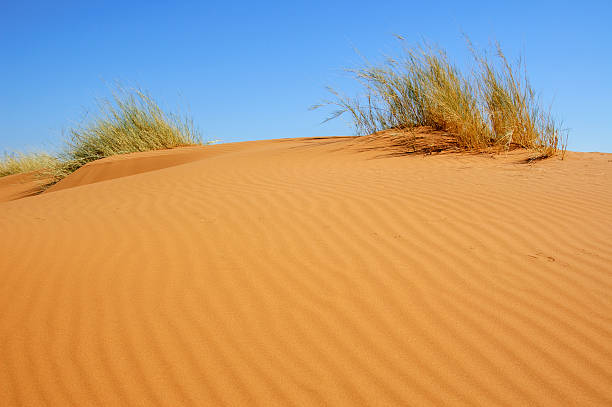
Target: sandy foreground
point(309, 272)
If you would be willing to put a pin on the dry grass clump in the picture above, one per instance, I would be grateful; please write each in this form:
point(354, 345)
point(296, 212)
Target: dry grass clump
point(515, 115)
point(129, 122)
point(16, 163)
point(493, 106)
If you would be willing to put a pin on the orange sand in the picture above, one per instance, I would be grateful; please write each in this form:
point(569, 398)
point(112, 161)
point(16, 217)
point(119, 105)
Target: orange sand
point(19, 186)
point(310, 272)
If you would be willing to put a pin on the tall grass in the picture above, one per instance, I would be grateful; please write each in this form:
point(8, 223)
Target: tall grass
point(492, 106)
point(16, 163)
point(514, 112)
point(131, 121)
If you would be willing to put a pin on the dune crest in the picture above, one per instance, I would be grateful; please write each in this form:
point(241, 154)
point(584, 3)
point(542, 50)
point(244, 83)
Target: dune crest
point(336, 271)
point(129, 164)
point(19, 186)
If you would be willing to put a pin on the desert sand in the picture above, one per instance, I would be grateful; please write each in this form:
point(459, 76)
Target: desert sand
point(308, 272)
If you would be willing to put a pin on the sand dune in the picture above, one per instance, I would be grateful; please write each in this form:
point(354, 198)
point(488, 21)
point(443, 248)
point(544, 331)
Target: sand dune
point(311, 272)
point(19, 186)
point(129, 164)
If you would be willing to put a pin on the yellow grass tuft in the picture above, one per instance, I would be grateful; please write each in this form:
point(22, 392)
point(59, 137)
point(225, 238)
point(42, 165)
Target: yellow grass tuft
point(131, 121)
point(493, 106)
point(17, 163)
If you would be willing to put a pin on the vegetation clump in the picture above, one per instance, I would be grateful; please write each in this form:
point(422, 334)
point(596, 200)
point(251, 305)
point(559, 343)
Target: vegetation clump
point(492, 106)
point(131, 121)
point(16, 163)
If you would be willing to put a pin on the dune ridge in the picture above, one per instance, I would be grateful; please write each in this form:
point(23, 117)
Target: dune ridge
point(329, 271)
point(19, 186)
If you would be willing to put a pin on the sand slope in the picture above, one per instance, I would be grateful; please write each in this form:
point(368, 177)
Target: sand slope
point(129, 164)
point(311, 272)
point(19, 186)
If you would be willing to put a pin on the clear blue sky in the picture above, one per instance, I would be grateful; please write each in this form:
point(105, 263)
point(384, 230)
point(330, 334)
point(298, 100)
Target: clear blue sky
point(250, 70)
